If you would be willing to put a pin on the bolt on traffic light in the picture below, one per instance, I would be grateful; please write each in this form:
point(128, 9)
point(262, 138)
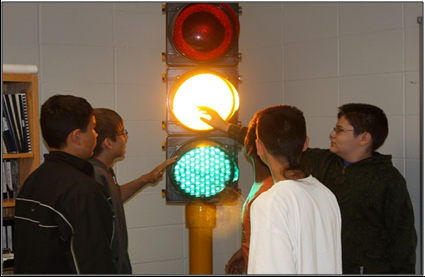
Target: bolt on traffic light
point(202, 58)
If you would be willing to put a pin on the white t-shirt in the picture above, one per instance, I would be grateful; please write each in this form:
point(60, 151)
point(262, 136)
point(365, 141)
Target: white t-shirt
point(295, 229)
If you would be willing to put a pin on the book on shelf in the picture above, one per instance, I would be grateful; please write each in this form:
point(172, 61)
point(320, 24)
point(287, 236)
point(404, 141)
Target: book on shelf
point(4, 179)
point(16, 115)
point(26, 146)
point(4, 237)
point(14, 120)
point(8, 135)
point(8, 255)
point(9, 234)
point(7, 243)
point(10, 172)
point(4, 146)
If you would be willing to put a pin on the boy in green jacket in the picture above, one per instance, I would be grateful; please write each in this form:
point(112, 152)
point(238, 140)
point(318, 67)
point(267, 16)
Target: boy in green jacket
point(378, 232)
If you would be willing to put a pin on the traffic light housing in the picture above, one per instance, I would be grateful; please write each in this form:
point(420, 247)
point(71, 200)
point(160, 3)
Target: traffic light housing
point(202, 58)
point(202, 34)
point(206, 170)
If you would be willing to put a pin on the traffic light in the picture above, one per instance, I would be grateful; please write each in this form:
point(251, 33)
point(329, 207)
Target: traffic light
point(202, 58)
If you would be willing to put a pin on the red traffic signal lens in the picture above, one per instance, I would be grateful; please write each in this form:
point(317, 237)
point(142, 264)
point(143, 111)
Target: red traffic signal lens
point(205, 32)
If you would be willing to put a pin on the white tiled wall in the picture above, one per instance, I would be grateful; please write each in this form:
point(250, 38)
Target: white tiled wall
point(336, 53)
point(313, 55)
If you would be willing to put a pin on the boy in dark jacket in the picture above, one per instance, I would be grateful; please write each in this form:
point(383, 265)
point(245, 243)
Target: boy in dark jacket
point(64, 223)
point(111, 144)
point(378, 232)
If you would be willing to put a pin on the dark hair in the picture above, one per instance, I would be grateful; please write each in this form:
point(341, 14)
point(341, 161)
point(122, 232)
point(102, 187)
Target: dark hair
point(251, 136)
point(108, 124)
point(62, 114)
point(366, 118)
point(282, 129)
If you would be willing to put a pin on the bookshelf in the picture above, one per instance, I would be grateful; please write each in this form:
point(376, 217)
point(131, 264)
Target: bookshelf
point(28, 162)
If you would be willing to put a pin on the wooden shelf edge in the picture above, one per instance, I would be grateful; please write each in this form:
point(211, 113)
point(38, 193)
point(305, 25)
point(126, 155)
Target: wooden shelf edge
point(8, 203)
point(19, 77)
point(18, 156)
point(8, 270)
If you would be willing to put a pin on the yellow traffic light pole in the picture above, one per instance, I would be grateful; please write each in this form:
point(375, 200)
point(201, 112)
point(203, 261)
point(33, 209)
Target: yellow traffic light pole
point(200, 220)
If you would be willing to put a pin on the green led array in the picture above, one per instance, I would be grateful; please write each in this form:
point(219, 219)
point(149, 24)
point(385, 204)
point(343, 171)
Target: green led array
point(204, 171)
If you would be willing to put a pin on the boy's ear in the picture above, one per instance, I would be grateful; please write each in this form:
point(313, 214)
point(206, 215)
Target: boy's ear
point(365, 138)
point(306, 142)
point(260, 147)
point(107, 143)
point(74, 137)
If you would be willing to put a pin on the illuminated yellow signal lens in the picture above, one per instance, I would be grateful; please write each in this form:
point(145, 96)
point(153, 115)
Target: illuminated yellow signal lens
point(204, 90)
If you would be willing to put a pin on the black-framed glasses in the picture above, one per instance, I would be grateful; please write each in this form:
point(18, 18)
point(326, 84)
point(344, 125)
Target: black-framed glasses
point(123, 133)
point(338, 130)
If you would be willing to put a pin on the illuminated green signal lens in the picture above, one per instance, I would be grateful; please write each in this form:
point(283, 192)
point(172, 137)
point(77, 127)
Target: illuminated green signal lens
point(204, 171)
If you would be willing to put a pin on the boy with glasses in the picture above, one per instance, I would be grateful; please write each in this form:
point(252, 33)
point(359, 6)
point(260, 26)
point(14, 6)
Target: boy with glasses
point(378, 232)
point(111, 143)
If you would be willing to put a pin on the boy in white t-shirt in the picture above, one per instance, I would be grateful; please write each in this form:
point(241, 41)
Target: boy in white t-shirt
point(295, 225)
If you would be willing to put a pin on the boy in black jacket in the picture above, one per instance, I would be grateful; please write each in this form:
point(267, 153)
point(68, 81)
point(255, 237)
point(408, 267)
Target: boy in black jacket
point(64, 223)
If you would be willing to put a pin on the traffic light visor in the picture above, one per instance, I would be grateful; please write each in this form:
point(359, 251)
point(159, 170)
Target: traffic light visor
point(204, 89)
point(205, 32)
point(205, 168)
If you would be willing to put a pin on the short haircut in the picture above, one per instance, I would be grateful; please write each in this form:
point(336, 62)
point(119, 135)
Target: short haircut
point(62, 114)
point(251, 136)
point(366, 118)
point(282, 129)
point(108, 124)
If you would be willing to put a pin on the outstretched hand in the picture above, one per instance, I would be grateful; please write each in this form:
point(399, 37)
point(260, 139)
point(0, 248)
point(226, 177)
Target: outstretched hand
point(216, 121)
point(158, 171)
point(129, 189)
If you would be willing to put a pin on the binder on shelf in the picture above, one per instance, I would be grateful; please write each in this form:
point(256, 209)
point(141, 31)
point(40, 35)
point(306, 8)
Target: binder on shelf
point(17, 115)
point(26, 146)
point(14, 170)
point(8, 135)
point(8, 187)
point(4, 237)
point(3, 171)
point(14, 119)
point(9, 237)
point(8, 230)
point(4, 144)
point(10, 170)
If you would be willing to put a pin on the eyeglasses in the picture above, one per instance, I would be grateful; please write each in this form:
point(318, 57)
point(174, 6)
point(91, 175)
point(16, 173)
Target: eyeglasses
point(338, 130)
point(123, 133)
